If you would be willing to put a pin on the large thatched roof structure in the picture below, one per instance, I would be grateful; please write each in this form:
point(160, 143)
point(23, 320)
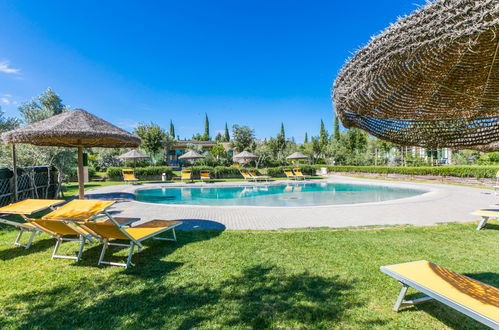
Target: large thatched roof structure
point(72, 129)
point(431, 79)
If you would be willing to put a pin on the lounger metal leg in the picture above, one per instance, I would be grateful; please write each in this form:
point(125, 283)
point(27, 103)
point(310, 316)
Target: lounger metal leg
point(58, 243)
point(104, 248)
point(400, 298)
point(174, 239)
point(482, 223)
point(402, 302)
point(30, 240)
point(106, 243)
point(129, 259)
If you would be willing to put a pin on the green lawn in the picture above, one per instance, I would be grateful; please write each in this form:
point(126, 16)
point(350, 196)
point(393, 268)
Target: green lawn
point(317, 278)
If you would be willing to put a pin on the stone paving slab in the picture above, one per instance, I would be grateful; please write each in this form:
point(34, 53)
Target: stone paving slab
point(441, 203)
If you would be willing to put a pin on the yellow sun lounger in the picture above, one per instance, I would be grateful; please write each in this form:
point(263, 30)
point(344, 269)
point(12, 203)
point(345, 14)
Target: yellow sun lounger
point(129, 175)
point(259, 177)
point(486, 214)
point(475, 299)
point(298, 173)
point(24, 209)
point(135, 235)
point(186, 175)
point(247, 176)
point(60, 230)
point(204, 175)
point(289, 173)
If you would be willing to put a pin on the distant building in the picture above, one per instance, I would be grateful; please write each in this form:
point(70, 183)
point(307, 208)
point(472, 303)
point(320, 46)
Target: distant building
point(439, 156)
point(181, 147)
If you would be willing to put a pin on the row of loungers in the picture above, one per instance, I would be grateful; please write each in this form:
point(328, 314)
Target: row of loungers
point(84, 221)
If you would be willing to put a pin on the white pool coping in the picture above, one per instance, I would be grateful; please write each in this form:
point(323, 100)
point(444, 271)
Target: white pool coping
point(440, 203)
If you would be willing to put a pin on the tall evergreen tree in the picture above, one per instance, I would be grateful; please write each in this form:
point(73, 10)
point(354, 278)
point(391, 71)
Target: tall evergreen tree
point(172, 130)
point(306, 138)
point(336, 128)
point(206, 135)
point(226, 134)
point(282, 134)
point(323, 135)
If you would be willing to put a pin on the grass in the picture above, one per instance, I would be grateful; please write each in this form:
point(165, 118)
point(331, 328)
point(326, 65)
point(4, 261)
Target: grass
point(309, 278)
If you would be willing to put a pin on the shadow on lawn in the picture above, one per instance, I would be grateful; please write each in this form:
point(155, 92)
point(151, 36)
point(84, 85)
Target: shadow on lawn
point(449, 316)
point(260, 296)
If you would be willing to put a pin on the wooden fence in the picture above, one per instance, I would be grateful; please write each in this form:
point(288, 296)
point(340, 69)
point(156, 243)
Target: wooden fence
point(32, 182)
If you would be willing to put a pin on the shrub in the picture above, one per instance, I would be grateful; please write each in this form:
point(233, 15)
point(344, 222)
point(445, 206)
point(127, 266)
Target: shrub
point(449, 170)
point(279, 171)
point(73, 175)
point(150, 172)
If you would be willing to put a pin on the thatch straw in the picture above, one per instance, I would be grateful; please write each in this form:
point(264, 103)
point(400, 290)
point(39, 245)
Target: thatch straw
point(245, 155)
point(191, 155)
point(431, 79)
point(297, 156)
point(133, 154)
point(72, 129)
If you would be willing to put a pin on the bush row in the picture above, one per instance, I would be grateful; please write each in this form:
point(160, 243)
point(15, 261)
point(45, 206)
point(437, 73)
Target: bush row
point(279, 171)
point(152, 172)
point(448, 170)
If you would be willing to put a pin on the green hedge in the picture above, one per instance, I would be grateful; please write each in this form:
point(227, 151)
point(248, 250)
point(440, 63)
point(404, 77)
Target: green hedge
point(114, 173)
point(220, 172)
point(447, 170)
point(73, 174)
point(278, 172)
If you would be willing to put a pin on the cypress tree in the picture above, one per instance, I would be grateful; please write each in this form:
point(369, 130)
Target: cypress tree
point(323, 135)
point(306, 138)
point(172, 130)
point(226, 134)
point(206, 135)
point(282, 134)
point(336, 128)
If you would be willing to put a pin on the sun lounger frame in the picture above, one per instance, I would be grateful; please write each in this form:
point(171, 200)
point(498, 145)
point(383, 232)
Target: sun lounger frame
point(485, 218)
point(133, 242)
point(406, 283)
point(23, 228)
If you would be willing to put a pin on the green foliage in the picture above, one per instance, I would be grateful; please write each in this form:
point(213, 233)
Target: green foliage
point(8, 123)
point(242, 138)
point(172, 130)
point(457, 171)
point(206, 135)
point(336, 133)
point(306, 138)
point(226, 137)
point(491, 158)
point(49, 104)
point(153, 137)
point(72, 175)
point(114, 173)
point(278, 172)
point(323, 136)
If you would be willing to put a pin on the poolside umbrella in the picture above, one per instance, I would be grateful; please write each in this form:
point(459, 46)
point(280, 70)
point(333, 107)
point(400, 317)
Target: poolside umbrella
point(191, 156)
point(76, 128)
point(133, 155)
point(244, 157)
point(431, 79)
point(296, 156)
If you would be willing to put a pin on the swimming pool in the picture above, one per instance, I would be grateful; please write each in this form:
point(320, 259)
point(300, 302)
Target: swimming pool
point(303, 194)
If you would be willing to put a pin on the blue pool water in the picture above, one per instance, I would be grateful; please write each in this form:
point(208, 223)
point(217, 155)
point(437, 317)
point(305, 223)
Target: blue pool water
point(304, 194)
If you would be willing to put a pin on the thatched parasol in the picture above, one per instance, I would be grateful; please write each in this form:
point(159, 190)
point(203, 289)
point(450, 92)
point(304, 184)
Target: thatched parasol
point(431, 79)
point(76, 128)
point(133, 155)
point(297, 156)
point(191, 156)
point(244, 157)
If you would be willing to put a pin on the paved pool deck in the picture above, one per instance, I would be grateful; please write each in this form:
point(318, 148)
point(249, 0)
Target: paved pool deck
point(441, 203)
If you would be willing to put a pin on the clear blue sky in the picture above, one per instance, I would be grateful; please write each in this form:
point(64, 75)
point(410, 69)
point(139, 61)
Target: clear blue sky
point(253, 63)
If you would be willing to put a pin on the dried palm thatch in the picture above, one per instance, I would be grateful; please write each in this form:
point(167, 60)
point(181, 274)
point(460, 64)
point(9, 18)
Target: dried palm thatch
point(431, 79)
point(133, 155)
point(76, 128)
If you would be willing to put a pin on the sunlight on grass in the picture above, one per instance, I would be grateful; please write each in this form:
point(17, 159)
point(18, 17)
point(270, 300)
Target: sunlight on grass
point(317, 278)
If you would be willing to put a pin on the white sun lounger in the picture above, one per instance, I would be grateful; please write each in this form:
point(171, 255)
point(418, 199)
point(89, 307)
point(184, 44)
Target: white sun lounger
point(466, 295)
point(486, 214)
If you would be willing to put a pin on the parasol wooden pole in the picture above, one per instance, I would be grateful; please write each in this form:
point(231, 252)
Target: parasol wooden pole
point(14, 166)
point(81, 184)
